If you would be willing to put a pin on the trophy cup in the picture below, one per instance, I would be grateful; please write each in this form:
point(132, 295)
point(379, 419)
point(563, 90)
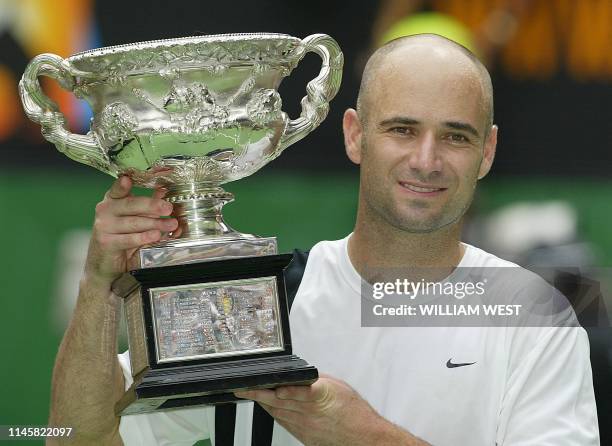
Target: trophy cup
point(206, 312)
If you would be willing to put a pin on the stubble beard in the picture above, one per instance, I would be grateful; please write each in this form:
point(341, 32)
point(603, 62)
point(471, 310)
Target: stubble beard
point(440, 220)
point(388, 212)
point(381, 209)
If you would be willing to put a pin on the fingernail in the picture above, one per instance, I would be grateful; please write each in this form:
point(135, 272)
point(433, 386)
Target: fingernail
point(167, 207)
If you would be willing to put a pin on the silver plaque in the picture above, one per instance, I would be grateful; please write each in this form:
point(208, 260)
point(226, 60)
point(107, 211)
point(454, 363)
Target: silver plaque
point(201, 321)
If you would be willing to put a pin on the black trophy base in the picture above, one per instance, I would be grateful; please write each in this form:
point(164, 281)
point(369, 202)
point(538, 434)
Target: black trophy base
point(212, 383)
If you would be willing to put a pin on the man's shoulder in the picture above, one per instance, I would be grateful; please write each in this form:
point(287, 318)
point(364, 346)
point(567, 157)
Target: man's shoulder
point(541, 304)
point(324, 250)
point(330, 246)
point(502, 272)
point(327, 265)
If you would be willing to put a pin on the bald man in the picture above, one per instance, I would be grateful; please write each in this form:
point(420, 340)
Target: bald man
point(423, 135)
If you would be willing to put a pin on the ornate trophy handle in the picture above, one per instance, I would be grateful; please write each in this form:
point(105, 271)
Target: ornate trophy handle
point(39, 108)
point(320, 90)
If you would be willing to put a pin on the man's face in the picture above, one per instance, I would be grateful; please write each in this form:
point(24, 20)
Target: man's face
point(422, 144)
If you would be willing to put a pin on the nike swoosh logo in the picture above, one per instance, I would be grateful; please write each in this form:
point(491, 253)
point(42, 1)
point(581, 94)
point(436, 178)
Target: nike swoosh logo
point(452, 365)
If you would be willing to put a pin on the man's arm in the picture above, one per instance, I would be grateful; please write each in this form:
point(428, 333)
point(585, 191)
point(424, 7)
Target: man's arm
point(87, 379)
point(330, 413)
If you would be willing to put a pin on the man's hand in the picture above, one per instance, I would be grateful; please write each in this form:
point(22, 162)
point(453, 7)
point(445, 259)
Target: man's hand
point(123, 224)
point(87, 357)
point(329, 413)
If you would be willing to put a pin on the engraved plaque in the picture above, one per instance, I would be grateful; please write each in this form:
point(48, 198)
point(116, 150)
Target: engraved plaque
point(215, 319)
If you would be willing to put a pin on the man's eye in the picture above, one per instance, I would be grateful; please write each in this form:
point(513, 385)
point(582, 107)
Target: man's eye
point(458, 138)
point(401, 130)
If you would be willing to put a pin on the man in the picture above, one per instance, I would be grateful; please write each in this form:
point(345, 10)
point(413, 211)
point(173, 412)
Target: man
point(423, 136)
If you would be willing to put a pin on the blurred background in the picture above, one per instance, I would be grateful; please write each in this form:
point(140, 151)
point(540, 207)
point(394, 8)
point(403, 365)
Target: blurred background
point(547, 201)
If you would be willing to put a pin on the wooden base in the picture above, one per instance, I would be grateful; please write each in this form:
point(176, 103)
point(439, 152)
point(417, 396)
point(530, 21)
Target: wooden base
point(169, 388)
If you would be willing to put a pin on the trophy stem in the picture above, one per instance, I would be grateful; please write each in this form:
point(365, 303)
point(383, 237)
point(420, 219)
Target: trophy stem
point(199, 212)
point(204, 234)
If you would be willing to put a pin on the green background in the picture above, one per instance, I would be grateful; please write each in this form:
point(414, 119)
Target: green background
point(38, 207)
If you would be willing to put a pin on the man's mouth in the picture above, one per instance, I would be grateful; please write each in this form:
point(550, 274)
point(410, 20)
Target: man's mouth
point(422, 189)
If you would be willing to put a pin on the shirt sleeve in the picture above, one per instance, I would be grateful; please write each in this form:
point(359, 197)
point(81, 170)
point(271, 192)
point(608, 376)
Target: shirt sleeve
point(176, 427)
point(556, 371)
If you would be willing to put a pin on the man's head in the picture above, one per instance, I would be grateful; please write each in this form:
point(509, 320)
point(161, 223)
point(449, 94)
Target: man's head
point(422, 132)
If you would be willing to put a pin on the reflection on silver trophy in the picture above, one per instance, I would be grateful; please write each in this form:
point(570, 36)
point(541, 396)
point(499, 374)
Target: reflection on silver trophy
point(190, 114)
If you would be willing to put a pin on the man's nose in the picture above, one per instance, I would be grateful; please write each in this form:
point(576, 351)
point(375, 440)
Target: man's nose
point(424, 156)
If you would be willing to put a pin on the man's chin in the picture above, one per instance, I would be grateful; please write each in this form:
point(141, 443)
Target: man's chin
point(423, 224)
point(412, 229)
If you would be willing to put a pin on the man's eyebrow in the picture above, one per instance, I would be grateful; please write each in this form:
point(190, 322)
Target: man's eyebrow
point(399, 120)
point(456, 125)
point(462, 126)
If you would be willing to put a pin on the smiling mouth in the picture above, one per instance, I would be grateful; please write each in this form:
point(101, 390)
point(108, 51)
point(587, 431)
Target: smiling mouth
point(425, 190)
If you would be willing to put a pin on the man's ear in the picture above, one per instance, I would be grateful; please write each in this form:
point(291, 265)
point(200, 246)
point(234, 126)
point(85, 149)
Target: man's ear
point(353, 131)
point(489, 153)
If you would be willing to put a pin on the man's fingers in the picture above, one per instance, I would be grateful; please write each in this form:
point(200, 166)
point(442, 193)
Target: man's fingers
point(268, 397)
point(256, 395)
point(314, 392)
point(122, 242)
point(298, 393)
point(120, 188)
point(119, 201)
point(159, 193)
point(134, 224)
point(144, 206)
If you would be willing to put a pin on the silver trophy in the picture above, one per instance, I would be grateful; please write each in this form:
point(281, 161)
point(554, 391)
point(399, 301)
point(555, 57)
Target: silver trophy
point(206, 312)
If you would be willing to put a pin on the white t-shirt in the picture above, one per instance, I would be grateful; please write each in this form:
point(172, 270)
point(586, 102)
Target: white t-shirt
point(527, 386)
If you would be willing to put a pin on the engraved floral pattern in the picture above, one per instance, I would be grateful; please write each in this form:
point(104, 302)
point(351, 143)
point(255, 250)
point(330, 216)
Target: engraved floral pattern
point(168, 172)
point(264, 106)
point(197, 170)
point(116, 123)
point(194, 106)
point(217, 55)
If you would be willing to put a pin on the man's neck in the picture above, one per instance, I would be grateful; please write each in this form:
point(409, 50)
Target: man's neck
point(372, 247)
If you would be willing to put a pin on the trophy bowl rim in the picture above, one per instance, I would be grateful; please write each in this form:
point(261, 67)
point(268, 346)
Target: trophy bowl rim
point(113, 50)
